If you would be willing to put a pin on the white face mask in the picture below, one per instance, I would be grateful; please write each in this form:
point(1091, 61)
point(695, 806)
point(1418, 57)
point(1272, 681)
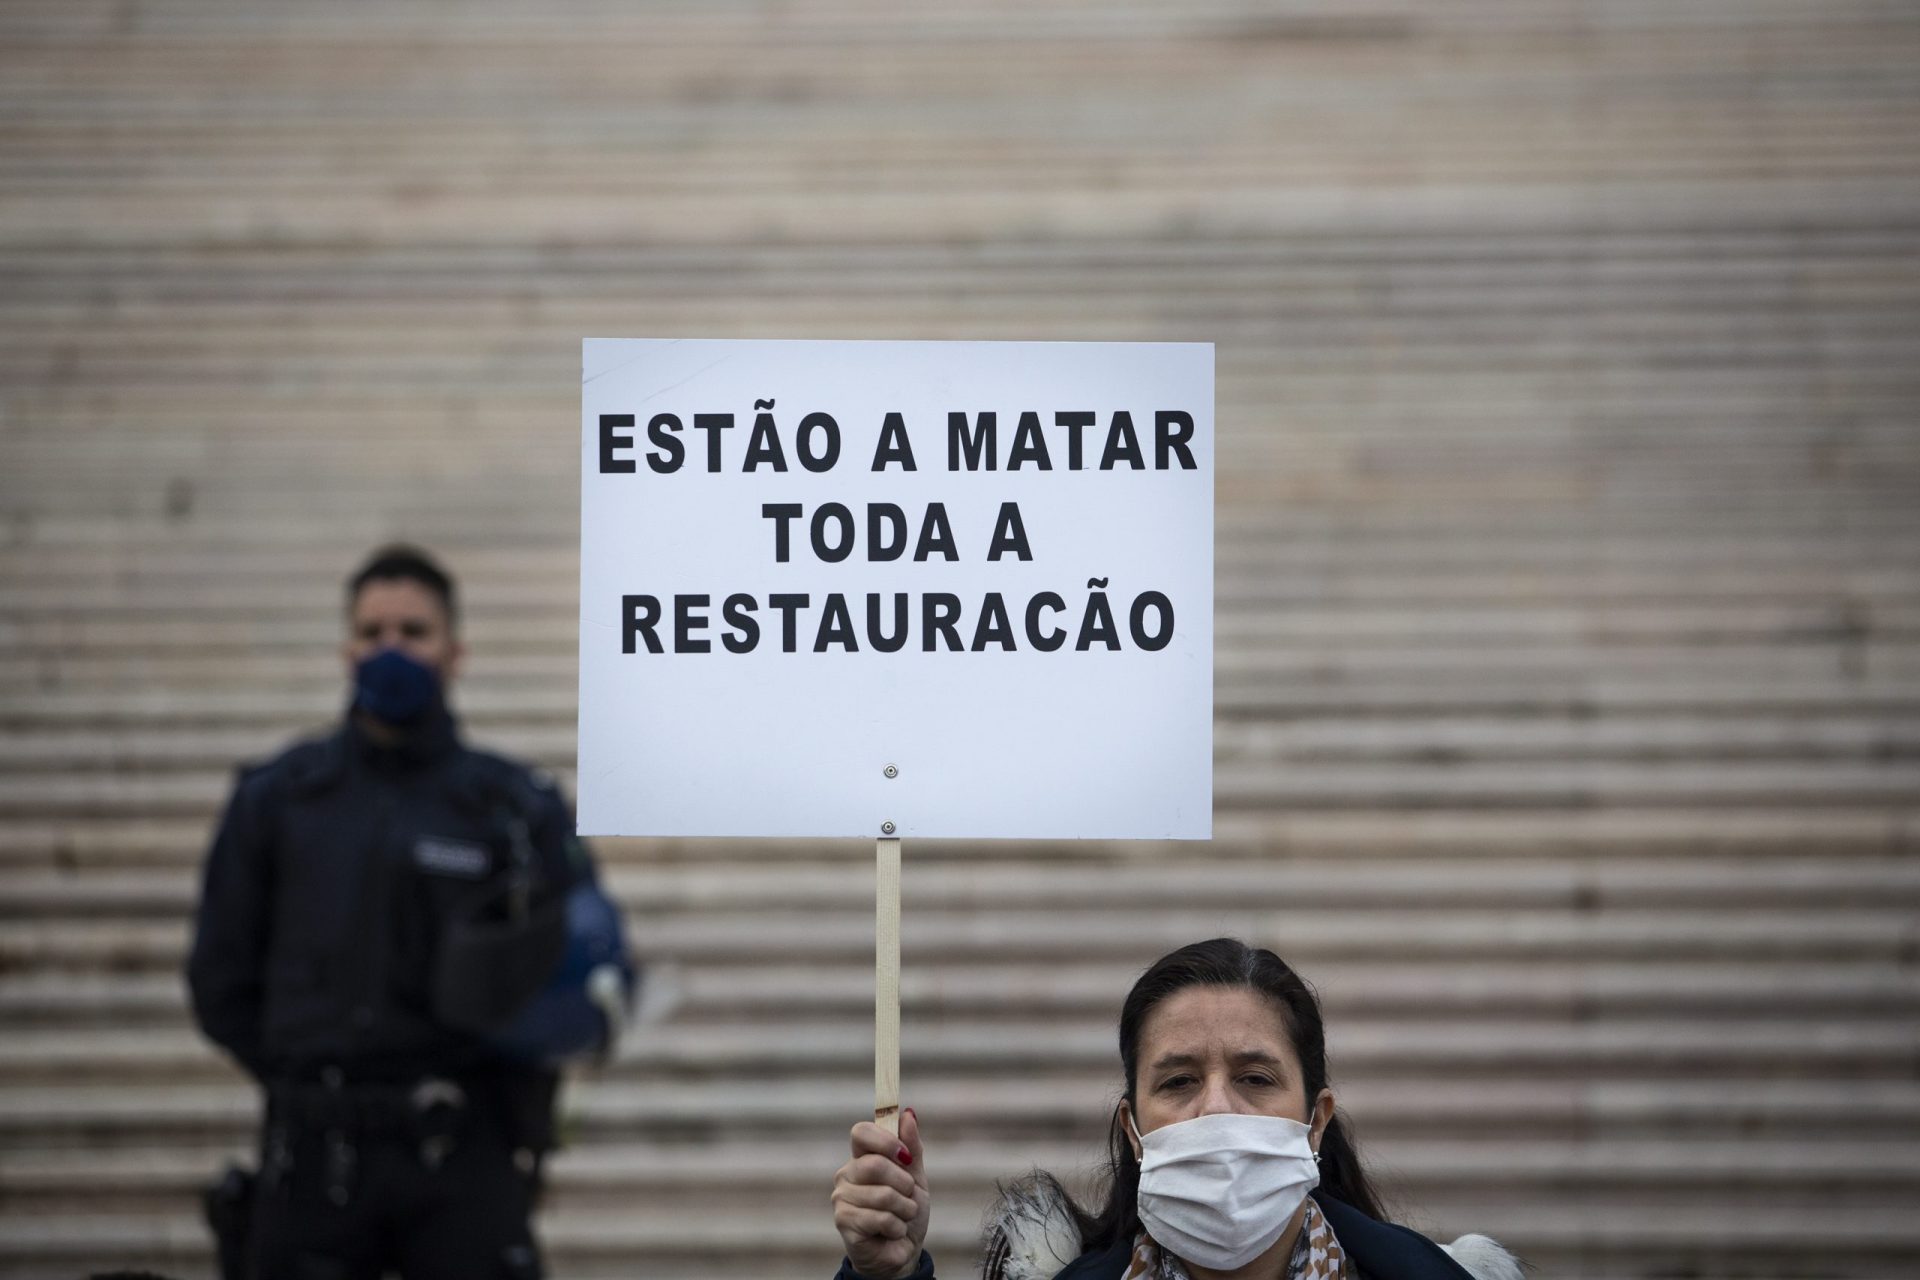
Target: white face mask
point(1218, 1190)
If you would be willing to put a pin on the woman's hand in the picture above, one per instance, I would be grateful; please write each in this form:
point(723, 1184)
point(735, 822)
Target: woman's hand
point(880, 1200)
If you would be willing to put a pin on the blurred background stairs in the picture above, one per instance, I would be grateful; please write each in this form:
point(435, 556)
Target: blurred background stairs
point(1568, 724)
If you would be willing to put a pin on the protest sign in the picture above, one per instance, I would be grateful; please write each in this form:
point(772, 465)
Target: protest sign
point(902, 589)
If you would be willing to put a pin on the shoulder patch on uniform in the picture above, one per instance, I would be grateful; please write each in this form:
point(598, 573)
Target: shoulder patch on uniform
point(442, 856)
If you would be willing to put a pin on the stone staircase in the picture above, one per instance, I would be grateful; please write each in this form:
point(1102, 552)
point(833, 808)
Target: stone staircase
point(1568, 724)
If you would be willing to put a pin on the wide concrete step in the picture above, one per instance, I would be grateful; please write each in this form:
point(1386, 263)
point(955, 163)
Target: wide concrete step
point(1431, 262)
point(847, 217)
point(1451, 740)
point(1264, 386)
point(1463, 836)
point(1237, 785)
point(1884, 934)
point(1640, 132)
point(1428, 271)
point(1635, 145)
point(1625, 248)
point(109, 1116)
point(794, 1169)
point(990, 882)
point(317, 701)
point(1321, 347)
point(1852, 1048)
point(1317, 338)
point(1321, 357)
point(720, 992)
point(1271, 207)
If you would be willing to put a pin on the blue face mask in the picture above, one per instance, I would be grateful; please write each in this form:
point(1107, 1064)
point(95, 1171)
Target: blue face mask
point(393, 687)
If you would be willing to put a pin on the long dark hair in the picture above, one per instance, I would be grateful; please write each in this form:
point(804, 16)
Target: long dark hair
point(1225, 962)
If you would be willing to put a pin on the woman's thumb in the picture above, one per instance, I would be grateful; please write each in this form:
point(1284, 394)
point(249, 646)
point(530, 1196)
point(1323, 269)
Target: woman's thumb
point(910, 1139)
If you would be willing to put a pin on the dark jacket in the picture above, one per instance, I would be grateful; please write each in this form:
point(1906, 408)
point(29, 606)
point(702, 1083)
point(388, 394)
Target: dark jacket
point(326, 890)
point(1379, 1251)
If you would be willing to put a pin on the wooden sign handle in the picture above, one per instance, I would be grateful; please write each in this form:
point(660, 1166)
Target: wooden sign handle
point(886, 986)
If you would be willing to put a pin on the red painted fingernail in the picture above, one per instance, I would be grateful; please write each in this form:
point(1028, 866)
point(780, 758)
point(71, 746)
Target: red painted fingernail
point(904, 1156)
point(913, 1113)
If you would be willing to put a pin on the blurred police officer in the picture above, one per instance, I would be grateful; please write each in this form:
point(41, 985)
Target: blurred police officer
point(376, 905)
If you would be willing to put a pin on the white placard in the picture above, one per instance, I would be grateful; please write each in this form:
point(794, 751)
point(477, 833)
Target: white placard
point(1053, 565)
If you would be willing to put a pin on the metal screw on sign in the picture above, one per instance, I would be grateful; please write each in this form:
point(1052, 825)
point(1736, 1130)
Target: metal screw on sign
point(886, 828)
point(891, 771)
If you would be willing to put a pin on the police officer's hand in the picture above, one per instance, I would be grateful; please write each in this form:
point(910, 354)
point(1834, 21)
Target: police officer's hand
point(880, 1200)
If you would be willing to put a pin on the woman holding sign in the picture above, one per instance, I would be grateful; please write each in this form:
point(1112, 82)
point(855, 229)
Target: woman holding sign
point(1228, 1157)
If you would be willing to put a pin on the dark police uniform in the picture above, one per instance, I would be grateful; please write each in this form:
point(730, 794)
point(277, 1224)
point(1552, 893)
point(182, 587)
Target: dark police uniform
point(393, 1140)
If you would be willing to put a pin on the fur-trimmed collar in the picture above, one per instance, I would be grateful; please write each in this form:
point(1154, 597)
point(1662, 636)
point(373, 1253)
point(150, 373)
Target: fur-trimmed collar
point(1033, 1233)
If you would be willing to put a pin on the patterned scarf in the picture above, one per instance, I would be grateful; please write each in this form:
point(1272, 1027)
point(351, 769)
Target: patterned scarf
point(1317, 1254)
